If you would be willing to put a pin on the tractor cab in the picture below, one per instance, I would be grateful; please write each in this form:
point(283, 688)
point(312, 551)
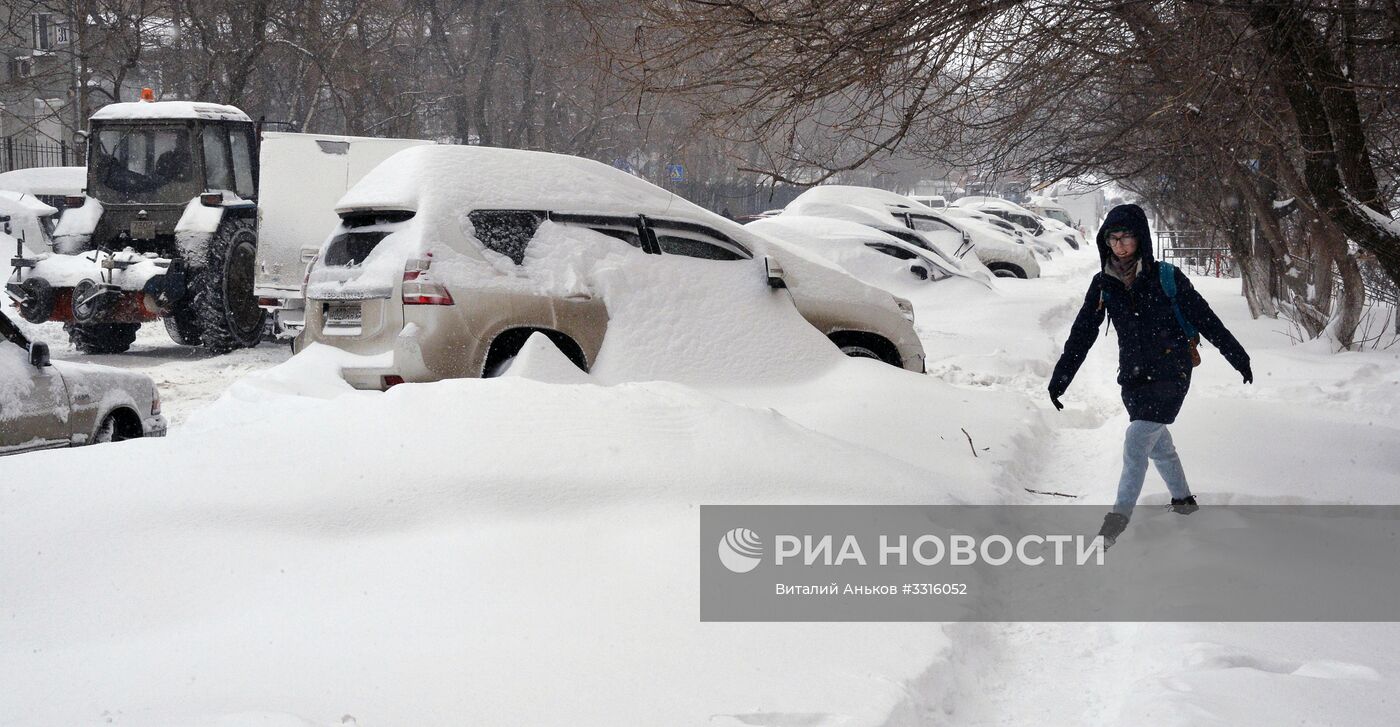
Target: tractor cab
point(147, 161)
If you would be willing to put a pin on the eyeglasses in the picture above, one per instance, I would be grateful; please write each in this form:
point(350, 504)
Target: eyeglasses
point(1121, 238)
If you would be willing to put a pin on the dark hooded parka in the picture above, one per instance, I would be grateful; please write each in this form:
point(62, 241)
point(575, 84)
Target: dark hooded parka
point(1154, 358)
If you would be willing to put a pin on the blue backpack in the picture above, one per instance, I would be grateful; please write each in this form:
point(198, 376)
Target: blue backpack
point(1166, 275)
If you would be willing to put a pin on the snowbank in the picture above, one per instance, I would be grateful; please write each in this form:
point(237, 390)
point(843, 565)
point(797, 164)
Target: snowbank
point(458, 545)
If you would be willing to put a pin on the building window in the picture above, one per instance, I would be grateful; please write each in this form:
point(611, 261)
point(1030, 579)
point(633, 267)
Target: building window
point(45, 31)
point(22, 67)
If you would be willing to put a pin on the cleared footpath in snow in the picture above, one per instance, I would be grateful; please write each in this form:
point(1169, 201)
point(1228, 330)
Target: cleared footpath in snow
point(1315, 427)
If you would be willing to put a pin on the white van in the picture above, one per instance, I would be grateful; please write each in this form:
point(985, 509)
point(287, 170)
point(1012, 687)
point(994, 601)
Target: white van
point(302, 178)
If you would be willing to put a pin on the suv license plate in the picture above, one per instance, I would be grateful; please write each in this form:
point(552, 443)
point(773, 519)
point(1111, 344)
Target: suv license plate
point(343, 315)
point(143, 229)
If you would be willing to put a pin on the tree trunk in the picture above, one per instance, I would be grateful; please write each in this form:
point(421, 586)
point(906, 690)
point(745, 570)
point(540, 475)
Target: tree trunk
point(1303, 70)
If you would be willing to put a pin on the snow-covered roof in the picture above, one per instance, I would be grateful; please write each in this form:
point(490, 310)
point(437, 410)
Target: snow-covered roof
point(452, 179)
point(868, 197)
point(45, 180)
point(836, 209)
point(984, 202)
point(18, 202)
point(1044, 201)
point(152, 110)
point(802, 228)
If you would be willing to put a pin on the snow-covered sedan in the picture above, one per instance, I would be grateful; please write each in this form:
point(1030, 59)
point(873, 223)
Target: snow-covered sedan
point(46, 404)
point(871, 255)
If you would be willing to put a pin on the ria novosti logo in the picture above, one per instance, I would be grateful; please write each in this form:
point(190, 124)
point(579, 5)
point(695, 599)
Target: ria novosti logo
point(740, 550)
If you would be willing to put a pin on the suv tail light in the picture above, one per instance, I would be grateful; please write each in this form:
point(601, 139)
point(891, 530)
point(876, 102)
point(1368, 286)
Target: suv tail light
point(417, 291)
point(155, 401)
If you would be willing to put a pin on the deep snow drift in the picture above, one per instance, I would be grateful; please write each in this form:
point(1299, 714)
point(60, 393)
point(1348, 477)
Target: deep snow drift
point(522, 549)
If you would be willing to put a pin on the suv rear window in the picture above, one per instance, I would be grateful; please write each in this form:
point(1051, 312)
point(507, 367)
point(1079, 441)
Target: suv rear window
point(351, 248)
point(506, 231)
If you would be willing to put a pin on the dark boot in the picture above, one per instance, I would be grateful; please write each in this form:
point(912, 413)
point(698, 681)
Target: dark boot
point(1113, 525)
point(1185, 506)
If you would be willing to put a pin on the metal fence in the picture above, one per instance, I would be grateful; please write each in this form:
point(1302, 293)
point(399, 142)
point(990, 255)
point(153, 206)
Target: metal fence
point(1193, 252)
point(17, 154)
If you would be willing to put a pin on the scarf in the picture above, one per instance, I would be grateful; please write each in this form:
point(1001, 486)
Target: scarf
point(1126, 271)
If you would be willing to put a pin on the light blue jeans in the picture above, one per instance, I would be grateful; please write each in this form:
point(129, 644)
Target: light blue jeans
point(1148, 439)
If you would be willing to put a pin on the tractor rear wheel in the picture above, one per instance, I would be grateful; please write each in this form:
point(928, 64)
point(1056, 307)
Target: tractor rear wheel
point(221, 289)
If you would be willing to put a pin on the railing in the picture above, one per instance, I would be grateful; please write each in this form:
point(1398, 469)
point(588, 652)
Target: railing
point(16, 154)
point(1188, 250)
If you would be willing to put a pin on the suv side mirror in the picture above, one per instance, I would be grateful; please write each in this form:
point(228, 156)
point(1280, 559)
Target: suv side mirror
point(919, 271)
point(774, 271)
point(38, 354)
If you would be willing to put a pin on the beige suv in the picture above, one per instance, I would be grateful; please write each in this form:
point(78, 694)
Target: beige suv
point(47, 404)
point(425, 270)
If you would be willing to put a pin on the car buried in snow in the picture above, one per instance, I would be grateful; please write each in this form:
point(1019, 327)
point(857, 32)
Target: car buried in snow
point(1003, 256)
point(46, 404)
point(869, 254)
point(428, 271)
point(1046, 233)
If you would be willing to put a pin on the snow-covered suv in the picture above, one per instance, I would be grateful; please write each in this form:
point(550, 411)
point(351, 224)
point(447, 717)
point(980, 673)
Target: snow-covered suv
point(448, 258)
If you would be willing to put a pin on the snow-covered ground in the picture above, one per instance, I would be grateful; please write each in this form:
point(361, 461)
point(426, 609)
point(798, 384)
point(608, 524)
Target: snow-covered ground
point(523, 549)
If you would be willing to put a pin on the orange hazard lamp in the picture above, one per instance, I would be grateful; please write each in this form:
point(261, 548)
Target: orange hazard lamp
point(148, 95)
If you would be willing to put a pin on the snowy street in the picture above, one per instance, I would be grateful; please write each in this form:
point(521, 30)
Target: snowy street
point(522, 549)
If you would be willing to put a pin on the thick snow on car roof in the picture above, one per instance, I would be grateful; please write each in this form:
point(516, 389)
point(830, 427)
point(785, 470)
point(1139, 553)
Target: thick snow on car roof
point(870, 198)
point(154, 110)
point(836, 209)
point(455, 179)
point(45, 180)
point(18, 202)
point(801, 228)
point(992, 203)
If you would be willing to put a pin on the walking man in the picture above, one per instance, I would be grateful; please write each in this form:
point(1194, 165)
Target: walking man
point(1157, 313)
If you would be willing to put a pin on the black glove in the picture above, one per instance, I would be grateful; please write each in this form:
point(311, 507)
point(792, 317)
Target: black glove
point(1055, 393)
point(1248, 374)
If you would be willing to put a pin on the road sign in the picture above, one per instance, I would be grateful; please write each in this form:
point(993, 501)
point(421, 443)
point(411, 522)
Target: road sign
point(675, 172)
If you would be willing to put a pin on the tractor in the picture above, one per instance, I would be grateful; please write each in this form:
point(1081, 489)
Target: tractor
point(166, 229)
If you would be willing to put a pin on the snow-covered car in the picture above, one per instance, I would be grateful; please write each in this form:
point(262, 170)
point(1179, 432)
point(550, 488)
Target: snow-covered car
point(1046, 234)
point(26, 224)
point(1072, 237)
point(52, 185)
point(935, 201)
point(1049, 209)
point(46, 404)
point(448, 258)
point(869, 254)
point(1001, 255)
